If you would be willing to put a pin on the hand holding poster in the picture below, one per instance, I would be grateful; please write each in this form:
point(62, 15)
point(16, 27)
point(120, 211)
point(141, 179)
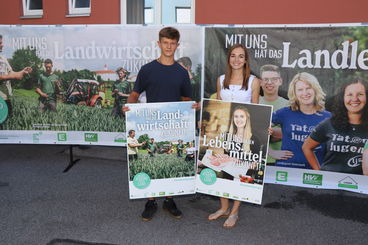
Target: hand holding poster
point(158, 135)
point(233, 150)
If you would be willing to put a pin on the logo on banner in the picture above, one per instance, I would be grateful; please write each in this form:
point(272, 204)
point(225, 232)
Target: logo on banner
point(61, 137)
point(3, 110)
point(91, 137)
point(120, 138)
point(141, 180)
point(208, 176)
point(312, 179)
point(282, 176)
point(355, 161)
point(348, 182)
point(36, 137)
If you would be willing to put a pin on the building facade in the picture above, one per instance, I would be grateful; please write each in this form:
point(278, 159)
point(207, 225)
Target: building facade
point(169, 12)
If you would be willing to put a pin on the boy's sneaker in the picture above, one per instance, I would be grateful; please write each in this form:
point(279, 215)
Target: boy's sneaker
point(170, 207)
point(149, 210)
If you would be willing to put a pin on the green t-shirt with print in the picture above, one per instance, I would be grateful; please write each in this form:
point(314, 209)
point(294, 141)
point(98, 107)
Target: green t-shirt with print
point(277, 104)
point(123, 87)
point(47, 84)
point(152, 147)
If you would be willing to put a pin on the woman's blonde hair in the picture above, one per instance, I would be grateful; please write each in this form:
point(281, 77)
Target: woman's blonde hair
point(319, 99)
point(247, 130)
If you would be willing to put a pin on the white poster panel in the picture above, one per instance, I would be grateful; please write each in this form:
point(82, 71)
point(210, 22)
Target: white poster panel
point(233, 149)
point(161, 149)
point(316, 179)
point(81, 107)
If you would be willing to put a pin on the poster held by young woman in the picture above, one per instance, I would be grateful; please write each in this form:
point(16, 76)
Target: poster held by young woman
point(158, 137)
point(233, 149)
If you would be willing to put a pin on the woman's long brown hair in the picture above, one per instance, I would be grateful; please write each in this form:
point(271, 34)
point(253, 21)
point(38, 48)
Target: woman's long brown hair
point(246, 68)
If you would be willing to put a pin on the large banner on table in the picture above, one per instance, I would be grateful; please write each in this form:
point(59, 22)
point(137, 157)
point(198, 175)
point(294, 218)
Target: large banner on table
point(80, 106)
point(161, 149)
point(320, 68)
point(233, 149)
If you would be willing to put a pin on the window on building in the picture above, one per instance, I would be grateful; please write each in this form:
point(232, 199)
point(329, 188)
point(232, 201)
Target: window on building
point(77, 7)
point(148, 15)
point(32, 7)
point(135, 11)
point(182, 15)
point(166, 12)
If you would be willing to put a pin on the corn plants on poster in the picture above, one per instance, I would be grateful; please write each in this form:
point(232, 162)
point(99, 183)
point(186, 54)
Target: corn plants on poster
point(73, 78)
point(233, 149)
point(161, 149)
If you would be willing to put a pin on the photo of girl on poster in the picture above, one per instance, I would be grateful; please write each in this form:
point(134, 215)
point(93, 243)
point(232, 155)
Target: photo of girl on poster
point(306, 111)
point(345, 133)
point(239, 140)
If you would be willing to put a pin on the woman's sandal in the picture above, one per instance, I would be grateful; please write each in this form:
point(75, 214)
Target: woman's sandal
point(218, 214)
point(231, 221)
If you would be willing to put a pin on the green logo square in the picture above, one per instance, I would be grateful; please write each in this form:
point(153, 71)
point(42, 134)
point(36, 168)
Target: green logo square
point(282, 176)
point(61, 137)
point(90, 137)
point(3, 110)
point(312, 179)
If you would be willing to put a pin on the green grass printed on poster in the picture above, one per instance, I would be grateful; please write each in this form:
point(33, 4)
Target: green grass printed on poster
point(161, 166)
point(25, 93)
point(76, 118)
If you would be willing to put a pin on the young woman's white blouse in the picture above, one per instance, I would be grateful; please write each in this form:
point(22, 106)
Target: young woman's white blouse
point(235, 93)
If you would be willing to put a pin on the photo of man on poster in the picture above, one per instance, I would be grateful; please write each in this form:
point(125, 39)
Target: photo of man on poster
point(151, 147)
point(47, 88)
point(133, 145)
point(271, 81)
point(6, 74)
point(120, 92)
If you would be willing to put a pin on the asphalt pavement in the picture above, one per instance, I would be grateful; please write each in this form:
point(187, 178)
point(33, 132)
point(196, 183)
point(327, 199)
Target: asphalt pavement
point(89, 204)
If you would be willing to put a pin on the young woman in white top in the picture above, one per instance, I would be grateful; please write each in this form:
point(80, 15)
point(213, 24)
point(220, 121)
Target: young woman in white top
point(237, 85)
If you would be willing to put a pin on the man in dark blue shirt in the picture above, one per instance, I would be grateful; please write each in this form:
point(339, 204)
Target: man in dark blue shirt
point(164, 80)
